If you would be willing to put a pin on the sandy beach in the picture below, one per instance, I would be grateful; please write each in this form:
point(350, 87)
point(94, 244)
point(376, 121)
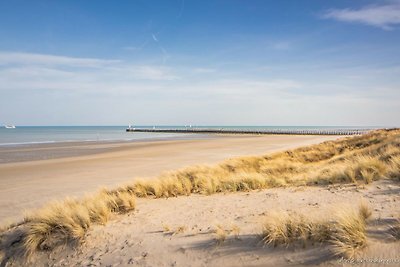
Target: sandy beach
point(348, 215)
point(199, 133)
point(55, 171)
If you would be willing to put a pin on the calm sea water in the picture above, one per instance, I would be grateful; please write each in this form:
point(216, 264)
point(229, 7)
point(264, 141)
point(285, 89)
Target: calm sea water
point(52, 134)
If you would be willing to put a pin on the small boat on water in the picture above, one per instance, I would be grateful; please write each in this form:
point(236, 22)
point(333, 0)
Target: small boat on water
point(9, 126)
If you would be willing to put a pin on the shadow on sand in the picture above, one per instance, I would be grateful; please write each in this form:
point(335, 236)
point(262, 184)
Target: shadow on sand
point(311, 254)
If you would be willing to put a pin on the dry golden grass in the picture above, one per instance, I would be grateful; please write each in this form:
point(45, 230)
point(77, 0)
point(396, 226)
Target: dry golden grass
point(346, 234)
point(286, 229)
point(350, 233)
point(395, 167)
point(360, 159)
point(69, 220)
point(220, 234)
point(365, 210)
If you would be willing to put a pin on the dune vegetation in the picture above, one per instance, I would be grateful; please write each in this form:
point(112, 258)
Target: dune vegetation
point(346, 233)
point(69, 220)
point(222, 232)
point(359, 159)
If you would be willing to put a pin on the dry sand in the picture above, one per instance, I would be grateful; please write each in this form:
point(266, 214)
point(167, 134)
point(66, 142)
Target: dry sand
point(30, 184)
point(150, 235)
point(140, 238)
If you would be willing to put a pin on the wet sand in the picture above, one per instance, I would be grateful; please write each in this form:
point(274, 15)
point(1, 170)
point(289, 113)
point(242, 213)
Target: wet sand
point(43, 151)
point(30, 184)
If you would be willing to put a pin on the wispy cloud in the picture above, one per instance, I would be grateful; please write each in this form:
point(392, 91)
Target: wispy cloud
point(154, 37)
point(384, 16)
point(40, 71)
point(43, 59)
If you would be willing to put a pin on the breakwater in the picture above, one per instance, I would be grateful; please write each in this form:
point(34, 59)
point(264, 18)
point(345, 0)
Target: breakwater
point(252, 131)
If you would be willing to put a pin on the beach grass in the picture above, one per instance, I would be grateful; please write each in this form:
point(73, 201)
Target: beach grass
point(360, 159)
point(281, 228)
point(346, 234)
point(349, 233)
point(220, 234)
point(365, 210)
point(70, 219)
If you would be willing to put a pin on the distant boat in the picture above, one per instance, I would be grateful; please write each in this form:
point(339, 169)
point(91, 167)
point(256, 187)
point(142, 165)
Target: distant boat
point(9, 126)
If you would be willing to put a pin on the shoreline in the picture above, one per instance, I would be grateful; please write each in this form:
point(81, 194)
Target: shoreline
point(23, 152)
point(30, 184)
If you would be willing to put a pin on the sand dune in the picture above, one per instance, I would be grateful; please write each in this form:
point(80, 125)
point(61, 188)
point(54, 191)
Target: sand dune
point(356, 176)
point(28, 185)
point(150, 236)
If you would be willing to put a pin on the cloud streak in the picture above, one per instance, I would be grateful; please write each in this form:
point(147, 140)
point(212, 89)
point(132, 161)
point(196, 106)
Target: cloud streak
point(7, 58)
point(154, 37)
point(382, 16)
point(40, 71)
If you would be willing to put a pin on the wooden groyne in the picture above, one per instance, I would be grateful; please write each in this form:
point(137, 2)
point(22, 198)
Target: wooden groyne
point(244, 131)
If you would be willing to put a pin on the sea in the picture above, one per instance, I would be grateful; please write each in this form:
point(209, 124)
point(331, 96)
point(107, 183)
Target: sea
point(25, 135)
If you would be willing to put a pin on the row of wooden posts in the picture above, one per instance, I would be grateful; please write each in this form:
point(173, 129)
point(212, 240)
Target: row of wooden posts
point(266, 131)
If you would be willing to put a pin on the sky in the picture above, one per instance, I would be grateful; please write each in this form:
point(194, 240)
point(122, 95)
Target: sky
point(180, 62)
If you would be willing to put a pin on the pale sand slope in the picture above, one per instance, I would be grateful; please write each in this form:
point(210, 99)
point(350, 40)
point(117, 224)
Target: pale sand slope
point(28, 185)
point(138, 238)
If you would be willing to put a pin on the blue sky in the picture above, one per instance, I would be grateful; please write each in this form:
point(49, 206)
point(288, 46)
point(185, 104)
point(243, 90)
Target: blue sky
point(200, 62)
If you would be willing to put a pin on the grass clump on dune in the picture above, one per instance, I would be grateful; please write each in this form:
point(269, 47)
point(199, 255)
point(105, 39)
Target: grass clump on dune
point(69, 220)
point(350, 233)
point(221, 233)
point(284, 229)
point(364, 210)
point(346, 233)
point(289, 229)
